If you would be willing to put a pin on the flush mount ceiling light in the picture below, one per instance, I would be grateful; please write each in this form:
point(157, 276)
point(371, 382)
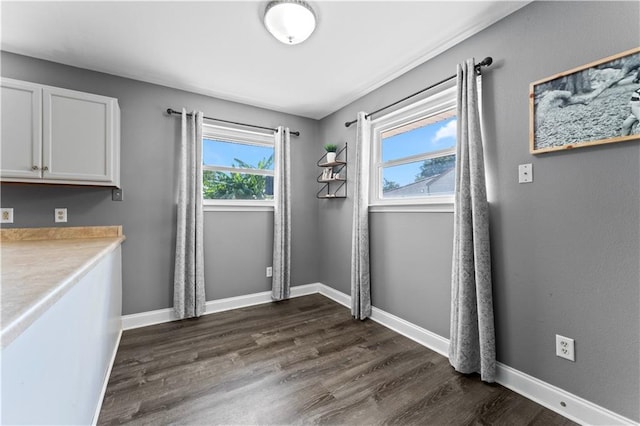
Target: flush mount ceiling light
point(290, 21)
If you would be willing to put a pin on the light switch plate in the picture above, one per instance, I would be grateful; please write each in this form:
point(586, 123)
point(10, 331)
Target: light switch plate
point(116, 194)
point(7, 215)
point(525, 173)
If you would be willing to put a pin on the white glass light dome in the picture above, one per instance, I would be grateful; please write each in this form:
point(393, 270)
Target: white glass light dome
point(290, 21)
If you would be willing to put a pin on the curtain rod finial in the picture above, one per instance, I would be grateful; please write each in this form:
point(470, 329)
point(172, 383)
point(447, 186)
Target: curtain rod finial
point(486, 61)
point(169, 111)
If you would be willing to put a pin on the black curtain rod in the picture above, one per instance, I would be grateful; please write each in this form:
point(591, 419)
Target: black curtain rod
point(171, 111)
point(485, 62)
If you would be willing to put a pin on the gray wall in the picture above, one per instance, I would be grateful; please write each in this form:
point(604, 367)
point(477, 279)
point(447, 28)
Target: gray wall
point(411, 259)
point(238, 246)
point(565, 248)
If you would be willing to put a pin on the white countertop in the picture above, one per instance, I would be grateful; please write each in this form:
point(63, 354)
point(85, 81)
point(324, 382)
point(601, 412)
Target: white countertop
point(35, 274)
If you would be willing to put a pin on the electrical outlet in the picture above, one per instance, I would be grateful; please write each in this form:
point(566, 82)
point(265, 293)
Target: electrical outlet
point(565, 348)
point(269, 271)
point(7, 215)
point(60, 215)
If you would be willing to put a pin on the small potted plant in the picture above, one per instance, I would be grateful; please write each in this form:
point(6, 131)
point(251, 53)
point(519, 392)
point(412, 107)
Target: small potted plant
point(331, 149)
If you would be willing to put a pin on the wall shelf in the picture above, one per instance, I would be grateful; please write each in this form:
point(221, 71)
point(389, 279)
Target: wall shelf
point(333, 164)
point(332, 180)
point(333, 187)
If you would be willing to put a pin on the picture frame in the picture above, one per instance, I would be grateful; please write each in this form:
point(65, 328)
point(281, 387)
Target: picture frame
point(594, 104)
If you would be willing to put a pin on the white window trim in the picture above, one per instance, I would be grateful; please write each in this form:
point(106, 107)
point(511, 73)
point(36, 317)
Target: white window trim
point(443, 100)
point(433, 207)
point(248, 137)
point(237, 206)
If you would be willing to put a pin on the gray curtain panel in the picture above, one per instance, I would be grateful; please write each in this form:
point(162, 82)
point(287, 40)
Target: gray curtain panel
point(360, 277)
point(472, 342)
point(188, 283)
point(281, 281)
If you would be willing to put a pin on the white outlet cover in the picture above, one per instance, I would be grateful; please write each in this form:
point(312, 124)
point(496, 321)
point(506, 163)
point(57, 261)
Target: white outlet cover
point(7, 215)
point(60, 215)
point(565, 348)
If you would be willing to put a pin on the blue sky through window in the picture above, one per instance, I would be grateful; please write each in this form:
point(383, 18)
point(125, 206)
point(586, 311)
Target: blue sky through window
point(433, 137)
point(221, 153)
point(429, 138)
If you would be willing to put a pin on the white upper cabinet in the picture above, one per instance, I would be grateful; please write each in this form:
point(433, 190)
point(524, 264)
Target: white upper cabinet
point(21, 154)
point(75, 136)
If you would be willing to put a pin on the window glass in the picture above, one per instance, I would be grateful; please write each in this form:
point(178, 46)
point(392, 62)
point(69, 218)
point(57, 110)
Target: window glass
point(414, 153)
point(234, 154)
point(434, 176)
point(421, 136)
point(238, 166)
point(236, 186)
point(418, 159)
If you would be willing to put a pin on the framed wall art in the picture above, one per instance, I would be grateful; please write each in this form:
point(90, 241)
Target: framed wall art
point(594, 104)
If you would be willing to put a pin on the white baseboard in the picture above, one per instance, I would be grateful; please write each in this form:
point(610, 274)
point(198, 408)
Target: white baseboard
point(160, 316)
point(545, 394)
point(236, 302)
point(106, 379)
point(577, 409)
point(335, 295)
point(144, 319)
point(305, 290)
point(418, 334)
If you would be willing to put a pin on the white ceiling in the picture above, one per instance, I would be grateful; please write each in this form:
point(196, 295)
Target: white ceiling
point(221, 49)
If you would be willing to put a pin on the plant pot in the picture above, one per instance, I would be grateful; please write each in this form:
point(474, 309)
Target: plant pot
point(331, 157)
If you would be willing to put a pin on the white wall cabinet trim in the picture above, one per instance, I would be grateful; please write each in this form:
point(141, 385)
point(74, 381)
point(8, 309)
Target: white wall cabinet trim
point(76, 137)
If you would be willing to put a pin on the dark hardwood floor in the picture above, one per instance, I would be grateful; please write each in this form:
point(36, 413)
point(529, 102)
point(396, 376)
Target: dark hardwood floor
point(301, 361)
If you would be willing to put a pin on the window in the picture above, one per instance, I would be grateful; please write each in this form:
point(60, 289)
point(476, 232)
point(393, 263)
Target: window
point(238, 167)
point(413, 155)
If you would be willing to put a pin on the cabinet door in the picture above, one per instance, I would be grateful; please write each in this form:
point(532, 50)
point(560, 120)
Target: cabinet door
point(21, 146)
point(78, 138)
